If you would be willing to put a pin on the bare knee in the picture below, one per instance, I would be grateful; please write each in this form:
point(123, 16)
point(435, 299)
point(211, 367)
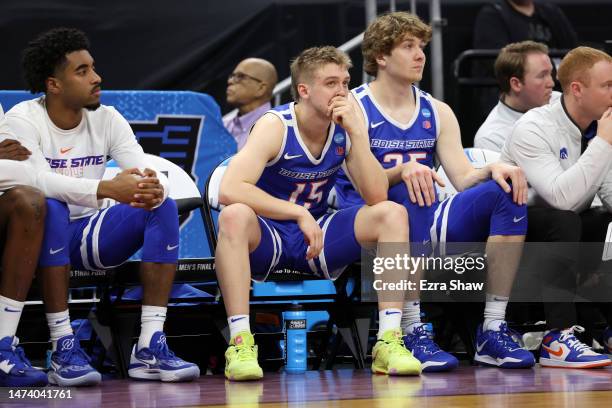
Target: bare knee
point(391, 216)
point(236, 221)
point(27, 203)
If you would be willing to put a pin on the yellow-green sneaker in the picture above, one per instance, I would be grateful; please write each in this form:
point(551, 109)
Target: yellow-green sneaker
point(389, 356)
point(241, 359)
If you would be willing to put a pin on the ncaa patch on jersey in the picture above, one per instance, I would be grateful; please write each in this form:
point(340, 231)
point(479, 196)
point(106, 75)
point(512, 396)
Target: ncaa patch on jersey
point(426, 113)
point(339, 138)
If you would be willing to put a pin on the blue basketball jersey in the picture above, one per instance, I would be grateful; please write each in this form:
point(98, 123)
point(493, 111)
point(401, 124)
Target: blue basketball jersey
point(393, 143)
point(294, 174)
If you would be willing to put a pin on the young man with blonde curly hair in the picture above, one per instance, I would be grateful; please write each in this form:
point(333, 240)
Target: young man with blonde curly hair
point(408, 131)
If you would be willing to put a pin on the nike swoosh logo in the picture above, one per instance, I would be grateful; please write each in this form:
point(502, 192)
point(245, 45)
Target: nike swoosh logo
point(153, 361)
point(6, 309)
point(65, 149)
point(61, 321)
point(391, 313)
point(289, 157)
point(479, 347)
point(377, 124)
point(517, 219)
point(235, 320)
point(55, 251)
point(171, 247)
point(557, 353)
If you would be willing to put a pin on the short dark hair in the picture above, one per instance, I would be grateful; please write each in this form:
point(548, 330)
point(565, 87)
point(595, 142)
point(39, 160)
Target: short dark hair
point(47, 52)
point(511, 61)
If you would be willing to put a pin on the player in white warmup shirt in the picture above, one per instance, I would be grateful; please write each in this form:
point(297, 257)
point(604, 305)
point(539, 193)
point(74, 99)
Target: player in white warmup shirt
point(71, 137)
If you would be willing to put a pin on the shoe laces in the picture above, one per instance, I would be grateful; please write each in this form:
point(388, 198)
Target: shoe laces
point(506, 338)
point(245, 352)
point(568, 337)
point(162, 351)
point(75, 356)
point(423, 340)
point(396, 345)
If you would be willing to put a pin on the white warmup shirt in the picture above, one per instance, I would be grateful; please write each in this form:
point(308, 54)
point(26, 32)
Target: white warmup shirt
point(69, 164)
point(546, 144)
point(497, 127)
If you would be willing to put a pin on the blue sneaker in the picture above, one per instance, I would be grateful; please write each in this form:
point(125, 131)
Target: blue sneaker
point(157, 362)
point(70, 365)
point(607, 341)
point(431, 356)
point(501, 349)
point(560, 348)
point(15, 369)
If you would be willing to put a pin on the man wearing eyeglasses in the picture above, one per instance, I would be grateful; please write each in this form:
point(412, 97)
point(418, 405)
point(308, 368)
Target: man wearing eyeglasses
point(249, 89)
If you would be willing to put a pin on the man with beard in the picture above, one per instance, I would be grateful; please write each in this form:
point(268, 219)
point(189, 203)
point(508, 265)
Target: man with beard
point(71, 136)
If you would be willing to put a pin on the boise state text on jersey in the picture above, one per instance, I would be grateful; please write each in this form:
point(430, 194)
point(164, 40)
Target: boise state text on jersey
point(394, 143)
point(295, 175)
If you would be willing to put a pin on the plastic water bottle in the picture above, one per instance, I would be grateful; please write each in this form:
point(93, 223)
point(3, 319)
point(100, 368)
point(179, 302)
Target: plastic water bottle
point(295, 339)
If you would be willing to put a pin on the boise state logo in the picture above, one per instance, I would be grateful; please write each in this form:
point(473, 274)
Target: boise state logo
point(563, 153)
point(426, 113)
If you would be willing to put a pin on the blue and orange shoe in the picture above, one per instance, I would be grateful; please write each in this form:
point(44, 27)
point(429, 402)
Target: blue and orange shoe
point(560, 348)
point(501, 349)
point(431, 356)
point(15, 369)
point(69, 365)
point(157, 362)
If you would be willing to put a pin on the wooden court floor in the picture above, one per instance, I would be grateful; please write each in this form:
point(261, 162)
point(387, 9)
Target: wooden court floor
point(464, 387)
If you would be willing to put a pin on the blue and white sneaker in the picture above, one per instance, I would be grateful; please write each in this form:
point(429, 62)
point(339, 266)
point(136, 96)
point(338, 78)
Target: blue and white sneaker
point(501, 349)
point(69, 365)
point(431, 356)
point(607, 341)
point(560, 348)
point(157, 362)
point(15, 369)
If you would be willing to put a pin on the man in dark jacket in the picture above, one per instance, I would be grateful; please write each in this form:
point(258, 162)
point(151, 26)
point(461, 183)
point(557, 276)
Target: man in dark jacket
point(506, 21)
